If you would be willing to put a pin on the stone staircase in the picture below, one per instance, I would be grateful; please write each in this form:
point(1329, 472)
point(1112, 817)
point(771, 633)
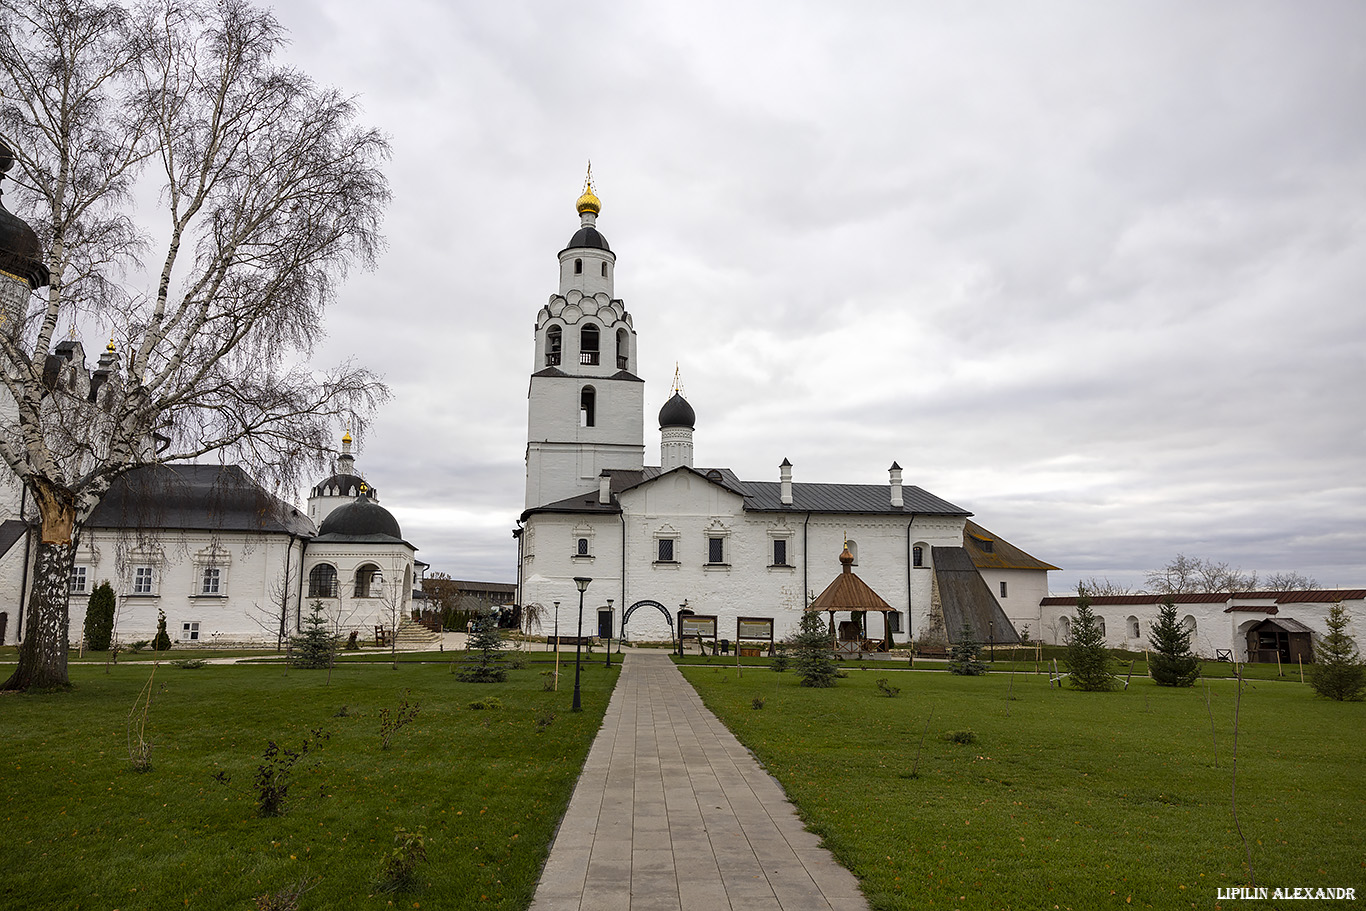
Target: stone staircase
point(413, 635)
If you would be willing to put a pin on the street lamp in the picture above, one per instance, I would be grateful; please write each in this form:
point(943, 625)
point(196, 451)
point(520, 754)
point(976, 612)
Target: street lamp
point(582, 583)
point(991, 635)
point(610, 620)
point(557, 646)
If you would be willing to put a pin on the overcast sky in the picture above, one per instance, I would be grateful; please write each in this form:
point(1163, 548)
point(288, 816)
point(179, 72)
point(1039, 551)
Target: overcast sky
point(1093, 271)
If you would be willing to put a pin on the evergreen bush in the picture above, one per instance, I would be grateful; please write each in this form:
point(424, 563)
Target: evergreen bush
point(1338, 669)
point(315, 647)
point(1171, 662)
point(965, 657)
point(162, 641)
point(1087, 659)
point(486, 652)
point(99, 618)
point(811, 654)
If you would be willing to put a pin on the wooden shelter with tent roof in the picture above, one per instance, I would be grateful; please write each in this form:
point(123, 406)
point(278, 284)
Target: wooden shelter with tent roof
point(850, 593)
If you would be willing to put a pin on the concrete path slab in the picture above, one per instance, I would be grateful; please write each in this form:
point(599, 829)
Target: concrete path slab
point(672, 813)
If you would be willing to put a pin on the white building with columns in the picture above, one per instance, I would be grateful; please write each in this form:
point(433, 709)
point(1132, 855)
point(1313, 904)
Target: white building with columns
point(660, 539)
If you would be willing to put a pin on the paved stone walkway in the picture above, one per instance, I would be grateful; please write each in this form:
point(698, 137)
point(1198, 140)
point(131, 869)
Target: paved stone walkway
point(671, 812)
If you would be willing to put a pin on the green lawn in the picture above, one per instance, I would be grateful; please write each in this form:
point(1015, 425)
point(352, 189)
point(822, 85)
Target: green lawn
point(84, 831)
point(1076, 800)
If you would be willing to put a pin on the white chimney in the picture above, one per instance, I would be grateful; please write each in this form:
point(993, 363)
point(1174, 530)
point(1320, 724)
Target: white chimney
point(785, 482)
point(605, 489)
point(895, 473)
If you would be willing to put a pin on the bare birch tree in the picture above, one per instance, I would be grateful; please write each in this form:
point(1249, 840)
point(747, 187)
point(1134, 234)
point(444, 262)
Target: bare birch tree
point(270, 191)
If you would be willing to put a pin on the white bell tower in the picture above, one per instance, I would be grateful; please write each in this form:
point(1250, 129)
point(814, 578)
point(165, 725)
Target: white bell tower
point(586, 405)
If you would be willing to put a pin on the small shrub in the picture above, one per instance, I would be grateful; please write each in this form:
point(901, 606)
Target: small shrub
point(814, 660)
point(353, 641)
point(344, 712)
point(965, 656)
point(517, 662)
point(99, 618)
point(138, 646)
point(1339, 672)
point(544, 720)
point(486, 650)
point(961, 737)
point(1088, 661)
point(886, 689)
point(190, 664)
point(758, 702)
point(315, 648)
point(398, 871)
point(287, 899)
point(389, 725)
point(780, 661)
point(162, 642)
point(1171, 662)
point(547, 680)
point(492, 702)
point(274, 774)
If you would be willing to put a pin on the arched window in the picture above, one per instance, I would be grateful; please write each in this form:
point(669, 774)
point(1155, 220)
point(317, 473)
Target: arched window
point(322, 581)
point(1134, 631)
point(918, 556)
point(369, 581)
point(588, 344)
point(852, 545)
point(583, 547)
point(623, 349)
point(1064, 628)
point(578, 267)
point(1100, 625)
point(554, 343)
point(604, 269)
point(1188, 624)
point(587, 407)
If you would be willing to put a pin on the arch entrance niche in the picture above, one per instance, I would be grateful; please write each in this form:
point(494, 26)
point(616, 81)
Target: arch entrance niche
point(668, 618)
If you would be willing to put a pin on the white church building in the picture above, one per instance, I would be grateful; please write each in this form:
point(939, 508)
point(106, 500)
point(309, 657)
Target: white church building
point(660, 540)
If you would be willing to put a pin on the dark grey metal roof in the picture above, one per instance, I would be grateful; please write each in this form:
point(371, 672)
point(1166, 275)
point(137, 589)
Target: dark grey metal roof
point(361, 520)
point(195, 497)
point(967, 599)
point(765, 496)
point(588, 237)
point(677, 413)
point(11, 532)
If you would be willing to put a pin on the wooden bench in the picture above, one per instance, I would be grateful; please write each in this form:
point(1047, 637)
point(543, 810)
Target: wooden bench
point(571, 640)
point(931, 651)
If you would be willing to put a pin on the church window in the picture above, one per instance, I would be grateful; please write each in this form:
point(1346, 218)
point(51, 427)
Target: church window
point(716, 550)
point(893, 621)
point(588, 345)
point(604, 270)
point(369, 581)
point(1003, 589)
point(588, 407)
point(623, 349)
point(583, 547)
point(779, 552)
point(852, 545)
point(554, 341)
point(666, 550)
point(1064, 628)
point(79, 580)
point(578, 267)
point(189, 632)
point(1188, 624)
point(322, 581)
point(1134, 632)
point(210, 579)
point(143, 581)
point(1100, 625)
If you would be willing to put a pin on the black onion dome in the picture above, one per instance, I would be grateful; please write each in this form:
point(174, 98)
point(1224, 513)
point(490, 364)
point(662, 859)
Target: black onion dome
point(588, 237)
point(20, 252)
point(360, 518)
point(345, 485)
point(677, 413)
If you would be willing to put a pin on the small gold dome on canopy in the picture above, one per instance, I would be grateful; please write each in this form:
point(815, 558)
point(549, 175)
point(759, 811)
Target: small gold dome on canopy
point(346, 437)
point(589, 201)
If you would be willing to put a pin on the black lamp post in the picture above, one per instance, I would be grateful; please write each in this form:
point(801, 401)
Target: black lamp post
point(610, 620)
point(557, 646)
point(991, 635)
point(582, 583)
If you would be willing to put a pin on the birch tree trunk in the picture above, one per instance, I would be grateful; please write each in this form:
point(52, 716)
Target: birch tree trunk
point(42, 651)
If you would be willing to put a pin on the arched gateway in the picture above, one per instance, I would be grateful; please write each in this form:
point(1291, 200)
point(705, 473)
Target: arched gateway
point(662, 609)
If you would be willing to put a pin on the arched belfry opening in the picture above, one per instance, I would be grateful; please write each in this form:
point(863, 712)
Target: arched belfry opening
point(554, 346)
point(588, 407)
point(588, 345)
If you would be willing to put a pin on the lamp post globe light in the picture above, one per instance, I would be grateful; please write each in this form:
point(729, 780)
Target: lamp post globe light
point(582, 583)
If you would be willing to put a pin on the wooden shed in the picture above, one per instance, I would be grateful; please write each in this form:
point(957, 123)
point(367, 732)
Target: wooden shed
point(1292, 640)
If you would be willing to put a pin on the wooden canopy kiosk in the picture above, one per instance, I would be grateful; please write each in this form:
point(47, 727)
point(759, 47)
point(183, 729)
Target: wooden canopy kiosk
point(850, 593)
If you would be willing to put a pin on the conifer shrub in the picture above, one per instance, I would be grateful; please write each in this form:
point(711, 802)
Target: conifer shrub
point(1171, 662)
point(965, 656)
point(1338, 669)
point(1087, 659)
point(486, 652)
point(162, 641)
point(99, 618)
point(812, 656)
point(315, 647)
